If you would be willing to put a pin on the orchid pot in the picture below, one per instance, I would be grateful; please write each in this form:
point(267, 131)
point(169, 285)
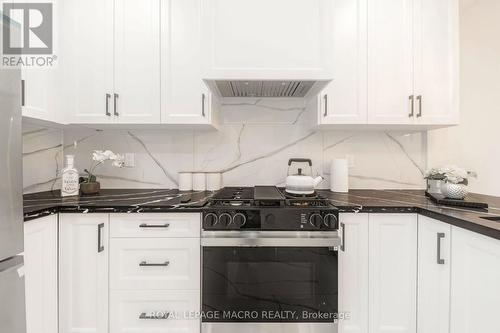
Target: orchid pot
point(90, 188)
point(454, 191)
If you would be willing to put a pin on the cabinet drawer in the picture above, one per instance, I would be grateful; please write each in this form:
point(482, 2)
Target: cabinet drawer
point(155, 225)
point(127, 308)
point(161, 263)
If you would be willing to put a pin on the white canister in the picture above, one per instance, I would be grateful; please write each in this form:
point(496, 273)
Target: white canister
point(185, 181)
point(339, 175)
point(199, 181)
point(214, 181)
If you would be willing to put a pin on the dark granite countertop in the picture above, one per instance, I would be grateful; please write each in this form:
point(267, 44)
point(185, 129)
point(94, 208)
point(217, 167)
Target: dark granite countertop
point(405, 201)
point(114, 201)
point(368, 201)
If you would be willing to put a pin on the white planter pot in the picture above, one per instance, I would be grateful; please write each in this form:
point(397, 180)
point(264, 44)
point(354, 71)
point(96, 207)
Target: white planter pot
point(454, 191)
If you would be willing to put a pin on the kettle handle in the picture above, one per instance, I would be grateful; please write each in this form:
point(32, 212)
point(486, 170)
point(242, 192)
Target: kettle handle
point(300, 160)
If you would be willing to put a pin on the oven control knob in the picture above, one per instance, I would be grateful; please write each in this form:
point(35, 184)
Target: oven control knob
point(225, 219)
point(239, 219)
point(210, 220)
point(330, 221)
point(315, 220)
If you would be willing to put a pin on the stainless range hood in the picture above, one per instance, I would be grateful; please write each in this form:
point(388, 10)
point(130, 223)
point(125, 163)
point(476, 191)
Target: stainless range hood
point(266, 88)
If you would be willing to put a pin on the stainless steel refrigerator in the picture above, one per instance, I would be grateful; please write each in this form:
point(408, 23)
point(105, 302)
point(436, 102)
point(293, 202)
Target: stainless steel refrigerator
point(12, 302)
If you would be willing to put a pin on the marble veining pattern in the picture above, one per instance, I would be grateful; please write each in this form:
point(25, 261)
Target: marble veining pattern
point(256, 140)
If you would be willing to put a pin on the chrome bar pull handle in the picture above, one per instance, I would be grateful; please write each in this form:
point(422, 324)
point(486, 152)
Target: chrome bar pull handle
point(115, 107)
point(342, 245)
point(146, 264)
point(144, 225)
point(100, 247)
point(326, 105)
point(203, 98)
point(440, 236)
point(157, 316)
point(23, 92)
point(108, 96)
point(419, 100)
point(412, 106)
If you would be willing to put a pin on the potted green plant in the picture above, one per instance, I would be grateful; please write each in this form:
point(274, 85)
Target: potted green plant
point(89, 184)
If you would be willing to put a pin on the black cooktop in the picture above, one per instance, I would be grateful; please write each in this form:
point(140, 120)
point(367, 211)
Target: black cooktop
point(265, 196)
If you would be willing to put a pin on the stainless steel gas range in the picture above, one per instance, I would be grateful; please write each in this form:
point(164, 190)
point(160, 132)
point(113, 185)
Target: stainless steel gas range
point(270, 262)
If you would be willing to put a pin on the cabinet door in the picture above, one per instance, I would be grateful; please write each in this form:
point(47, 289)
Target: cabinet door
point(433, 311)
point(184, 95)
point(353, 273)
point(344, 100)
point(262, 39)
point(36, 87)
point(436, 61)
point(137, 61)
point(40, 259)
point(390, 61)
point(83, 273)
point(475, 291)
point(393, 273)
point(86, 61)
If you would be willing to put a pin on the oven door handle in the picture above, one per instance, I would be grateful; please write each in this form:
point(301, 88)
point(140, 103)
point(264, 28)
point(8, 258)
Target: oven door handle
point(332, 242)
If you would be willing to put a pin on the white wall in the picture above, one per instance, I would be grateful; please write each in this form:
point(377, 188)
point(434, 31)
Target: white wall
point(475, 144)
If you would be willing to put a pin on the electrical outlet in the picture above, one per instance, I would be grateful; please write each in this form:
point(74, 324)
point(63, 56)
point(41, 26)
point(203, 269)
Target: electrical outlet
point(350, 161)
point(129, 160)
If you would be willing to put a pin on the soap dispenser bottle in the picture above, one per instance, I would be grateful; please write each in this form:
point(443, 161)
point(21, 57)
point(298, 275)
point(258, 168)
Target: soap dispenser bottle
point(70, 178)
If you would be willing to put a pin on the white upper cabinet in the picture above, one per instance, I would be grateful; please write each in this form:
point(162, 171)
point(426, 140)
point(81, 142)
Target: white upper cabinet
point(111, 62)
point(436, 35)
point(475, 291)
point(36, 89)
point(390, 61)
point(86, 61)
point(394, 63)
point(344, 100)
point(434, 263)
point(136, 97)
point(262, 39)
point(185, 98)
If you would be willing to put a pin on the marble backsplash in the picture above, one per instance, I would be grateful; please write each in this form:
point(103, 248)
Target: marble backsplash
point(252, 148)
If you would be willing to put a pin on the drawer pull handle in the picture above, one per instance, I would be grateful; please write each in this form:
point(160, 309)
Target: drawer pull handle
point(144, 225)
point(155, 317)
point(146, 264)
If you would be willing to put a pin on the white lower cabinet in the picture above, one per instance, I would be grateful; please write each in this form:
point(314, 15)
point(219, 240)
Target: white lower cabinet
point(40, 259)
point(434, 242)
point(155, 270)
point(353, 273)
point(83, 273)
point(475, 287)
point(393, 273)
point(155, 263)
point(154, 311)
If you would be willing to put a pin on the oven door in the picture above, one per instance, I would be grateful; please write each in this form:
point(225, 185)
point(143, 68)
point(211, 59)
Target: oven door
point(270, 280)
